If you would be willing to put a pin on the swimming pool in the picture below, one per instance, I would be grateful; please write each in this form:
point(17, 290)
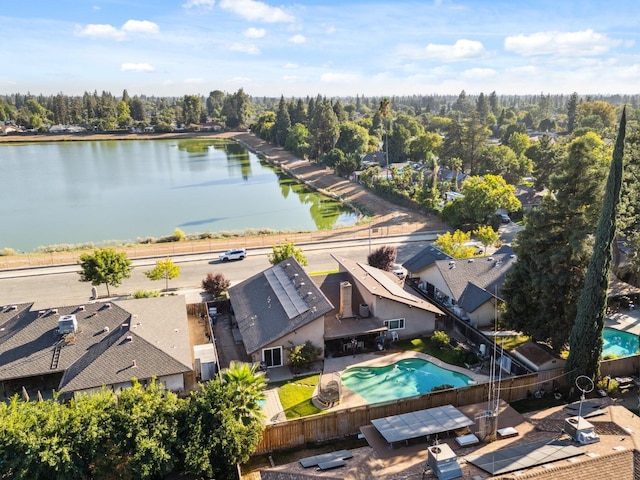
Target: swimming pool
point(619, 343)
point(406, 378)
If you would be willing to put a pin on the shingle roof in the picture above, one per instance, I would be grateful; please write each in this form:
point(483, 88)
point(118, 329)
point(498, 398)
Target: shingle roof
point(384, 284)
point(95, 355)
point(473, 297)
point(275, 302)
point(424, 258)
point(486, 273)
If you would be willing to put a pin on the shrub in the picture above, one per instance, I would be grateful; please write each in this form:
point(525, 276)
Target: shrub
point(216, 284)
point(608, 384)
point(305, 353)
point(179, 235)
point(146, 293)
point(441, 339)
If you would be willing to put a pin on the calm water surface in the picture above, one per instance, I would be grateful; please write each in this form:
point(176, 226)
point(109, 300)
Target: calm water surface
point(102, 191)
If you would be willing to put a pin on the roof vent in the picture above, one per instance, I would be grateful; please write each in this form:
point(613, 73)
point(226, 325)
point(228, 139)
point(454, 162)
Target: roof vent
point(123, 326)
point(105, 329)
point(513, 255)
point(452, 262)
point(81, 308)
point(471, 260)
point(107, 305)
point(490, 259)
point(67, 324)
point(53, 310)
point(134, 364)
point(41, 312)
point(13, 307)
point(129, 338)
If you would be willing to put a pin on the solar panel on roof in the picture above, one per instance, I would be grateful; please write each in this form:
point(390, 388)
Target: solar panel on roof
point(523, 456)
point(398, 428)
point(286, 292)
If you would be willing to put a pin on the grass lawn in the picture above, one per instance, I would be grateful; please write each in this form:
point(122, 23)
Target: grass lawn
point(511, 342)
point(296, 394)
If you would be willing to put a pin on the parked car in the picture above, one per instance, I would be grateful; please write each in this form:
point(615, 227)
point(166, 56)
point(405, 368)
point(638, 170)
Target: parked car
point(233, 254)
point(504, 218)
point(398, 271)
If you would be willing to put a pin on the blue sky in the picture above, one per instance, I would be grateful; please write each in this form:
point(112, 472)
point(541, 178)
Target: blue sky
point(310, 47)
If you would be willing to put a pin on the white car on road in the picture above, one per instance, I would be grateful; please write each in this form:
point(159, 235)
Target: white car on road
point(233, 254)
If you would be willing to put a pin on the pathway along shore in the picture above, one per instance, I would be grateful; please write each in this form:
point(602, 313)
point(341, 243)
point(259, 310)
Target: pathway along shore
point(384, 216)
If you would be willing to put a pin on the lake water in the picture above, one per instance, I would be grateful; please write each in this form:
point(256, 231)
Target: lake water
point(103, 191)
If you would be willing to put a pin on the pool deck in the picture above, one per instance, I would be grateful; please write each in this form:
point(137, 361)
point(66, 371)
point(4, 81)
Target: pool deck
point(626, 320)
point(333, 367)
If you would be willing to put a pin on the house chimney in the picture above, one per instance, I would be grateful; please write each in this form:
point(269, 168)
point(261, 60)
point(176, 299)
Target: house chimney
point(346, 310)
point(134, 364)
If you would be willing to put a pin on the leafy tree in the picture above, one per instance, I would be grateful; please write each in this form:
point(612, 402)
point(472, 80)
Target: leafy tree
point(353, 138)
point(486, 235)
point(236, 109)
point(215, 285)
point(572, 112)
point(545, 155)
point(298, 140)
point(247, 385)
point(333, 157)
point(164, 270)
point(106, 266)
point(483, 196)
point(383, 258)
point(424, 146)
point(604, 111)
point(214, 103)
point(346, 166)
point(221, 425)
point(586, 335)
point(191, 109)
point(456, 244)
point(287, 250)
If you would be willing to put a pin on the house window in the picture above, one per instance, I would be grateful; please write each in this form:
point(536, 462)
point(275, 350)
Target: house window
point(272, 357)
point(395, 324)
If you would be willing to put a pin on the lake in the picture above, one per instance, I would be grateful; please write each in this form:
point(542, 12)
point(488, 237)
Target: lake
point(119, 191)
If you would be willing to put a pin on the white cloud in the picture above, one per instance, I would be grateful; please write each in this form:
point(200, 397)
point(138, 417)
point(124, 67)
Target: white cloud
point(253, 10)
point(244, 48)
point(207, 4)
point(140, 26)
point(338, 78)
point(193, 81)
point(291, 66)
point(136, 67)
point(100, 31)
point(297, 39)
point(252, 32)
point(479, 73)
point(461, 50)
point(586, 42)
point(109, 32)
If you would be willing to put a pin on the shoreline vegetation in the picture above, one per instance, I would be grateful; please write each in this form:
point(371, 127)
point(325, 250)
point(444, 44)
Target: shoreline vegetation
point(379, 216)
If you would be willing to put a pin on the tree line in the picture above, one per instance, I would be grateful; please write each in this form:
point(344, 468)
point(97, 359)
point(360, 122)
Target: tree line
point(144, 432)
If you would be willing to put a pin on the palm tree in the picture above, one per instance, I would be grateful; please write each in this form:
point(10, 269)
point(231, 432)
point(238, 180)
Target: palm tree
point(247, 386)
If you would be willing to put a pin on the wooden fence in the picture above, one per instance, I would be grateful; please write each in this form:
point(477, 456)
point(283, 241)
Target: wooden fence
point(346, 422)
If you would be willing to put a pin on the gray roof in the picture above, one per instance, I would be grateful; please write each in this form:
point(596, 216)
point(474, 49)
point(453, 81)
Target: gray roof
point(384, 284)
point(274, 303)
point(424, 258)
point(473, 297)
point(99, 352)
point(486, 273)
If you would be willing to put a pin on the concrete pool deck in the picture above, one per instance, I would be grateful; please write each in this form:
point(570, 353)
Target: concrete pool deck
point(333, 368)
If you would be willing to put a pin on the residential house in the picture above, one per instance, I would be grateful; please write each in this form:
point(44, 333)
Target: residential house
point(471, 287)
point(277, 309)
point(84, 348)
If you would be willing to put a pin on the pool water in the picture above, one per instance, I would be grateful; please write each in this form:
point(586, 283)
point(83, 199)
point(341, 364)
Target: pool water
point(405, 378)
point(619, 343)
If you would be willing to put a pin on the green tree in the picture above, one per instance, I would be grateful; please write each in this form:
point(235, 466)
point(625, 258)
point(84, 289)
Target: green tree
point(483, 196)
point(486, 235)
point(215, 285)
point(545, 155)
point(191, 109)
point(164, 270)
point(106, 266)
point(236, 109)
point(572, 112)
point(216, 433)
point(353, 138)
point(287, 250)
point(585, 344)
point(346, 166)
point(542, 289)
point(456, 244)
point(383, 257)
point(298, 140)
point(247, 385)
point(324, 129)
point(425, 146)
point(282, 123)
point(300, 355)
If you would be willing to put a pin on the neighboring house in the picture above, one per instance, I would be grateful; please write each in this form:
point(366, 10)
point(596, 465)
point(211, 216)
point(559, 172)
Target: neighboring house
point(470, 286)
point(278, 309)
point(84, 348)
point(384, 306)
point(424, 259)
point(529, 197)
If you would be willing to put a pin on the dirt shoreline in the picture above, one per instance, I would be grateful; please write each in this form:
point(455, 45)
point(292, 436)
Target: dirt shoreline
point(382, 215)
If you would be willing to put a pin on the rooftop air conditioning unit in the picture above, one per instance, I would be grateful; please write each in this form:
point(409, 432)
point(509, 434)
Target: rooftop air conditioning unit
point(67, 324)
point(580, 430)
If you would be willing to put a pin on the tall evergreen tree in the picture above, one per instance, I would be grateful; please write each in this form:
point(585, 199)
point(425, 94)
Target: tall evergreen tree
point(283, 123)
point(586, 336)
point(572, 112)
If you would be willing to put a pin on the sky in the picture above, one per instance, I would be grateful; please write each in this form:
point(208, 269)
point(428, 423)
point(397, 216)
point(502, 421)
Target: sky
point(335, 48)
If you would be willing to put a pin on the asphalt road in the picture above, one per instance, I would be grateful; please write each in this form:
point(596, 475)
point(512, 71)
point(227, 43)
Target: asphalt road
point(59, 286)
